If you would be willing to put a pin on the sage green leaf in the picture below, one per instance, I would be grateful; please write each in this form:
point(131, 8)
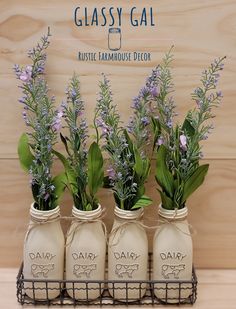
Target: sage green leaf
point(25, 156)
point(60, 183)
point(194, 181)
point(95, 169)
point(163, 176)
point(144, 201)
point(70, 174)
point(167, 202)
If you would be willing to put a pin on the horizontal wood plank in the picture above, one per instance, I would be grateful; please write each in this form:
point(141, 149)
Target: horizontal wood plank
point(212, 294)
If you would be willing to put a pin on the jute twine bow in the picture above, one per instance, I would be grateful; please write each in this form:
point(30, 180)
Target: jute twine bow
point(36, 221)
point(52, 218)
point(121, 228)
point(172, 221)
point(78, 223)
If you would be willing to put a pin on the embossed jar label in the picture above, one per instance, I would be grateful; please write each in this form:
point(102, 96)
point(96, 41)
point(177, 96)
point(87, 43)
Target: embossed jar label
point(85, 264)
point(173, 264)
point(125, 266)
point(41, 264)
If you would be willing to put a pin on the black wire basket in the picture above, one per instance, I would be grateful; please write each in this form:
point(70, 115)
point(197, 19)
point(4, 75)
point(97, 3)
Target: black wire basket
point(107, 292)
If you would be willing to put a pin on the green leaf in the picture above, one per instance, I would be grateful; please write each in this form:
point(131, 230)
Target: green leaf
point(194, 181)
point(77, 141)
point(70, 174)
point(95, 169)
point(144, 201)
point(64, 141)
point(138, 166)
point(59, 182)
point(156, 128)
point(25, 156)
point(139, 193)
point(89, 207)
point(146, 168)
point(163, 176)
point(167, 202)
point(129, 141)
point(188, 128)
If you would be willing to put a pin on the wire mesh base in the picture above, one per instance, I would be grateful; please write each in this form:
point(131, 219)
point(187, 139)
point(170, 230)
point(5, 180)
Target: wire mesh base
point(107, 292)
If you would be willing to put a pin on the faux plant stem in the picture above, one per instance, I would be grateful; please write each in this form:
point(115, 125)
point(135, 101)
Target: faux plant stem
point(43, 121)
point(178, 147)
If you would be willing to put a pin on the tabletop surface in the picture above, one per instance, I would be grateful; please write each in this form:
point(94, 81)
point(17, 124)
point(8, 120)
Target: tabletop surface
point(216, 290)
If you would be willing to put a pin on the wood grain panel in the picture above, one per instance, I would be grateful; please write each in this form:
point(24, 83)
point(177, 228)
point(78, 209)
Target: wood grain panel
point(211, 212)
point(200, 31)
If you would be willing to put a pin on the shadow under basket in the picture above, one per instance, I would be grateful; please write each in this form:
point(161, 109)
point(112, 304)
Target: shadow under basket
point(172, 292)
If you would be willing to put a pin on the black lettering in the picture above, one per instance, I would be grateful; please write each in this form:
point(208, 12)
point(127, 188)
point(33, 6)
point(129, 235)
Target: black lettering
point(104, 16)
point(78, 22)
point(134, 22)
point(112, 17)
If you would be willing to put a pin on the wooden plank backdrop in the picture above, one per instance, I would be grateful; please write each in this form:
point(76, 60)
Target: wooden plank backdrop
point(200, 30)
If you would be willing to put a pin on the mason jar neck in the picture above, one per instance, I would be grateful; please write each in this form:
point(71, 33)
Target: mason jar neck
point(44, 215)
point(175, 214)
point(86, 215)
point(128, 214)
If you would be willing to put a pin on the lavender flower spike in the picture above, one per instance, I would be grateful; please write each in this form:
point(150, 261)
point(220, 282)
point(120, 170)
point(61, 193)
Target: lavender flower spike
point(56, 126)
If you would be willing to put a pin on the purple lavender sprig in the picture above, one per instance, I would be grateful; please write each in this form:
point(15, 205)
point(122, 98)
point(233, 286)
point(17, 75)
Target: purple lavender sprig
point(76, 142)
point(179, 145)
point(43, 123)
point(164, 103)
point(142, 105)
point(206, 98)
point(121, 161)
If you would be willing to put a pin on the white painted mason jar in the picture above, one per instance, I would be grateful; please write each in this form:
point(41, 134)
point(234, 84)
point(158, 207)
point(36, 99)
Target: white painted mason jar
point(127, 255)
point(172, 255)
point(85, 254)
point(44, 253)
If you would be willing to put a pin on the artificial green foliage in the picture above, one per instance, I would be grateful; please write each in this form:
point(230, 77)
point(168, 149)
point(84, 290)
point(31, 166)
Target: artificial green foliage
point(178, 146)
point(42, 123)
point(26, 159)
point(128, 165)
point(95, 169)
point(83, 168)
point(25, 155)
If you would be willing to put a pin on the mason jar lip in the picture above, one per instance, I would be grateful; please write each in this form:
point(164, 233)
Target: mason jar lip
point(44, 211)
point(128, 214)
point(86, 214)
point(44, 214)
point(173, 213)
